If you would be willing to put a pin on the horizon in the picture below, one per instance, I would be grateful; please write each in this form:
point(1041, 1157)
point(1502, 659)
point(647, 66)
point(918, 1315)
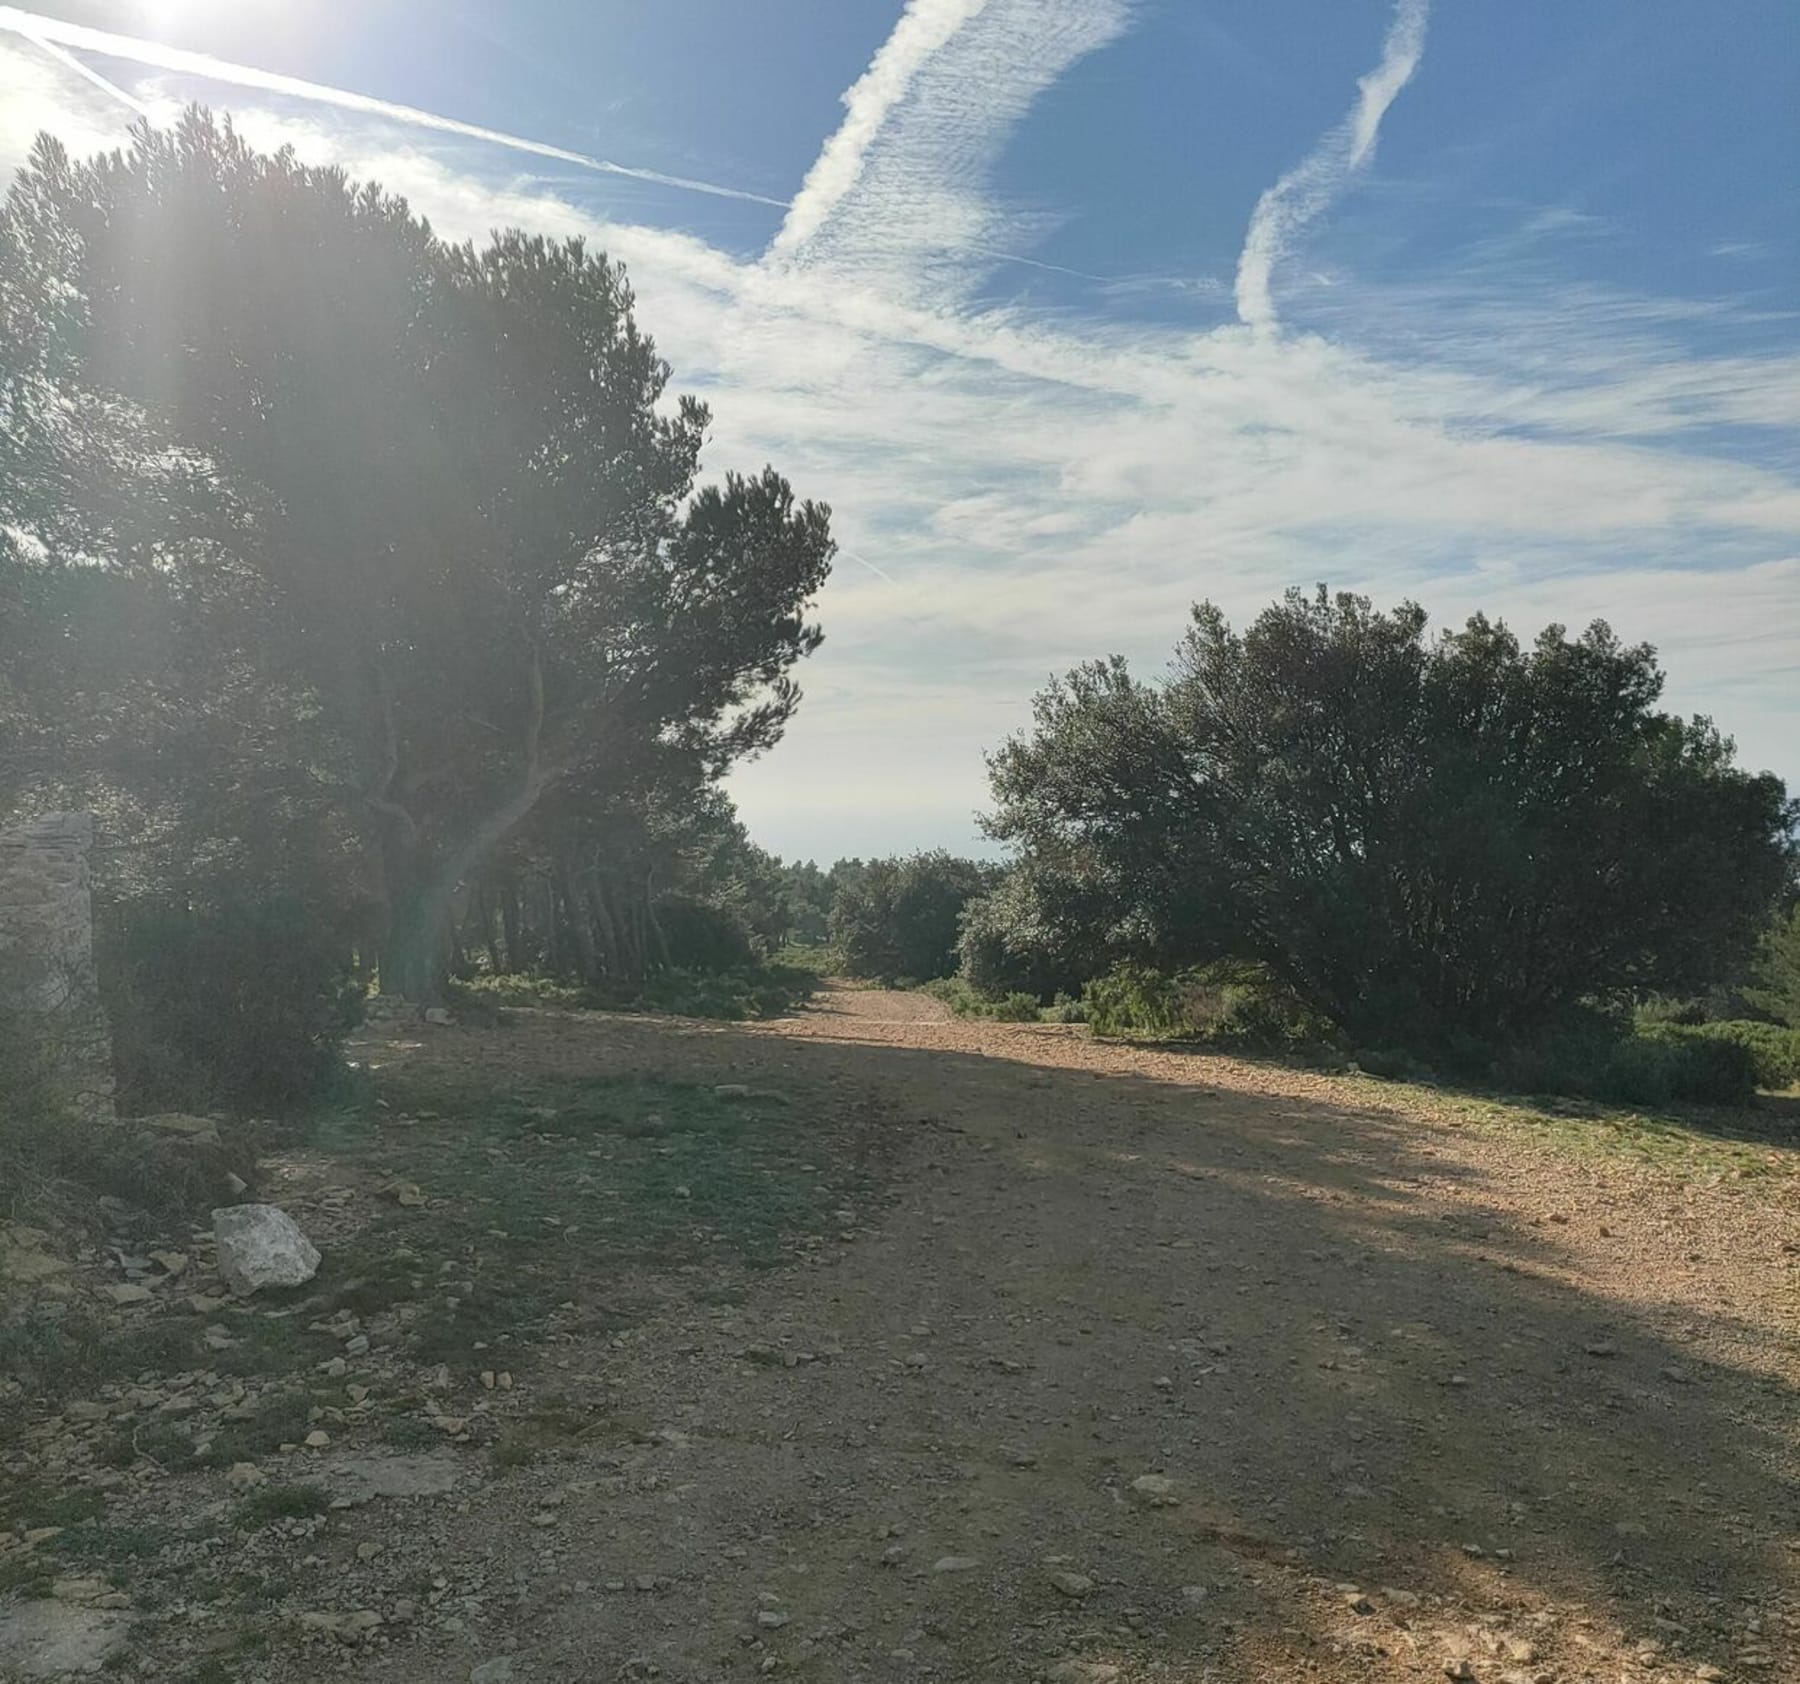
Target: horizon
point(1077, 311)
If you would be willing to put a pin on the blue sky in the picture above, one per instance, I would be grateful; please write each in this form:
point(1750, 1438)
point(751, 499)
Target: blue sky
point(1078, 310)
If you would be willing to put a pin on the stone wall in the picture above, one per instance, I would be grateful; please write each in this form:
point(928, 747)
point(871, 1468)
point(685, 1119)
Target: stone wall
point(47, 948)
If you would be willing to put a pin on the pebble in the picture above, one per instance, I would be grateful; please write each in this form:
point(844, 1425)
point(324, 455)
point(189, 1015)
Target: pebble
point(1156, 1491)
point(1072, 1585)
point(954, 1564)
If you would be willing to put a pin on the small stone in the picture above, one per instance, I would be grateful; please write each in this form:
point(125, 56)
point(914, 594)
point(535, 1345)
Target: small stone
point(85, 1412)
point(127, 1292)
point(317, 1439)
point(245, 1476)
point(771, 1619)
point(367, 1552)
point(1603, 1349)
point(1156, 1491)
point(955, 1564)
point(1072, 1585)
point(357, 1394)
point(440, 1016)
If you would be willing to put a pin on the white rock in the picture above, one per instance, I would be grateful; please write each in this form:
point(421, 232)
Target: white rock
point(260, 1246)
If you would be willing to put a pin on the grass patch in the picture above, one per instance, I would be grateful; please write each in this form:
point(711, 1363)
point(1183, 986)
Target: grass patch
point(408, 1432)
point(29, 1502)
point(282, 1502)
point(536, 1193)
point(284, 1418)
point(746, 992)
point(1697, 1142)
point(56, 1355)
point(94, 1545)
point(955, 993)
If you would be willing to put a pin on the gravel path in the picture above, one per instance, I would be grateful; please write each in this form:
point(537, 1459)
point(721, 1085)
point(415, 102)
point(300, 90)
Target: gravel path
point(1156, 1367)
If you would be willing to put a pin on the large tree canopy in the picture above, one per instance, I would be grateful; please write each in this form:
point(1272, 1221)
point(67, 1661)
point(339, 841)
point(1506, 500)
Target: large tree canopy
point(1424, 837)
point(434, 498)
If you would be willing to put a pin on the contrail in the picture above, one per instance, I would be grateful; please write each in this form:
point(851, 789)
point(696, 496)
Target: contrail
point(863, 561)
point(69, 61)
point(1305, 191)
point(924, 27)
point(52, 33)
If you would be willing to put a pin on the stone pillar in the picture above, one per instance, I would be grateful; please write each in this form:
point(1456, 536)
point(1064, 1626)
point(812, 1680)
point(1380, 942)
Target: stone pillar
point(47, 949)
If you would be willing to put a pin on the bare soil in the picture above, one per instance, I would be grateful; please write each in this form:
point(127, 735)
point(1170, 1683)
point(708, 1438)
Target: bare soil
point(1428, 1399)
point(1141, 1365)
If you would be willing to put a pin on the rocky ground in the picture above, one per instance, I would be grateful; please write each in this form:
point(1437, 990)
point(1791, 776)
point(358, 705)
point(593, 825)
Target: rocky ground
point(876, 1345)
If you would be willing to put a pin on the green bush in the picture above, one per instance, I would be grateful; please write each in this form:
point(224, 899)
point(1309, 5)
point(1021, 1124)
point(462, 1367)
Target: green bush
point(746, 991)
point(1226, 1005)
point(1032, 933)
point(701, 936)
point(1773, 1051)
point(967, 1002)
point(243, 1006)
point(1595, 1056)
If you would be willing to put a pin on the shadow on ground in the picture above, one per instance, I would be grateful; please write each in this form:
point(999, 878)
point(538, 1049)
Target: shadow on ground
point(1402, 1434)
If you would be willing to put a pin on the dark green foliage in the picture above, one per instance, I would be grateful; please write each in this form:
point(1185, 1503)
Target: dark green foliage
point(1224, 1005)
point(955, 993)
point(1425, 841)
point(1775, 972)
point(899, 918)
point(242, 1006)
point(1773, 1049)
point(1035, 932)
point(761, 990)
point(699, 936)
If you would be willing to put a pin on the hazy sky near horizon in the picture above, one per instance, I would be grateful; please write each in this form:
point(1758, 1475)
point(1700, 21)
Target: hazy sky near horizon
point(1079, 310)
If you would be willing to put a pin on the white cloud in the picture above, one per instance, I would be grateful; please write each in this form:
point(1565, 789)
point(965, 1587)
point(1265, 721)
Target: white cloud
point(1301, 195)
point(898, 198)
point(923, 28)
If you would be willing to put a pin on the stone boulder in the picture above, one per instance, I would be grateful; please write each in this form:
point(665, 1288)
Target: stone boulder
point(260, 1246)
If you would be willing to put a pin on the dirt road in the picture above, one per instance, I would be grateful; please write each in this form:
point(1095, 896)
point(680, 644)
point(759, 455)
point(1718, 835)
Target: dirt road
point(1157, 1367)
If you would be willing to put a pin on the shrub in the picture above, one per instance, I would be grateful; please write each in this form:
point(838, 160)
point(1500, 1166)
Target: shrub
point(1225, 1004)
point(243, 1006)
point(1773, 1051)
point(701, 936)
point(955, 993)
point(1032, 933)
